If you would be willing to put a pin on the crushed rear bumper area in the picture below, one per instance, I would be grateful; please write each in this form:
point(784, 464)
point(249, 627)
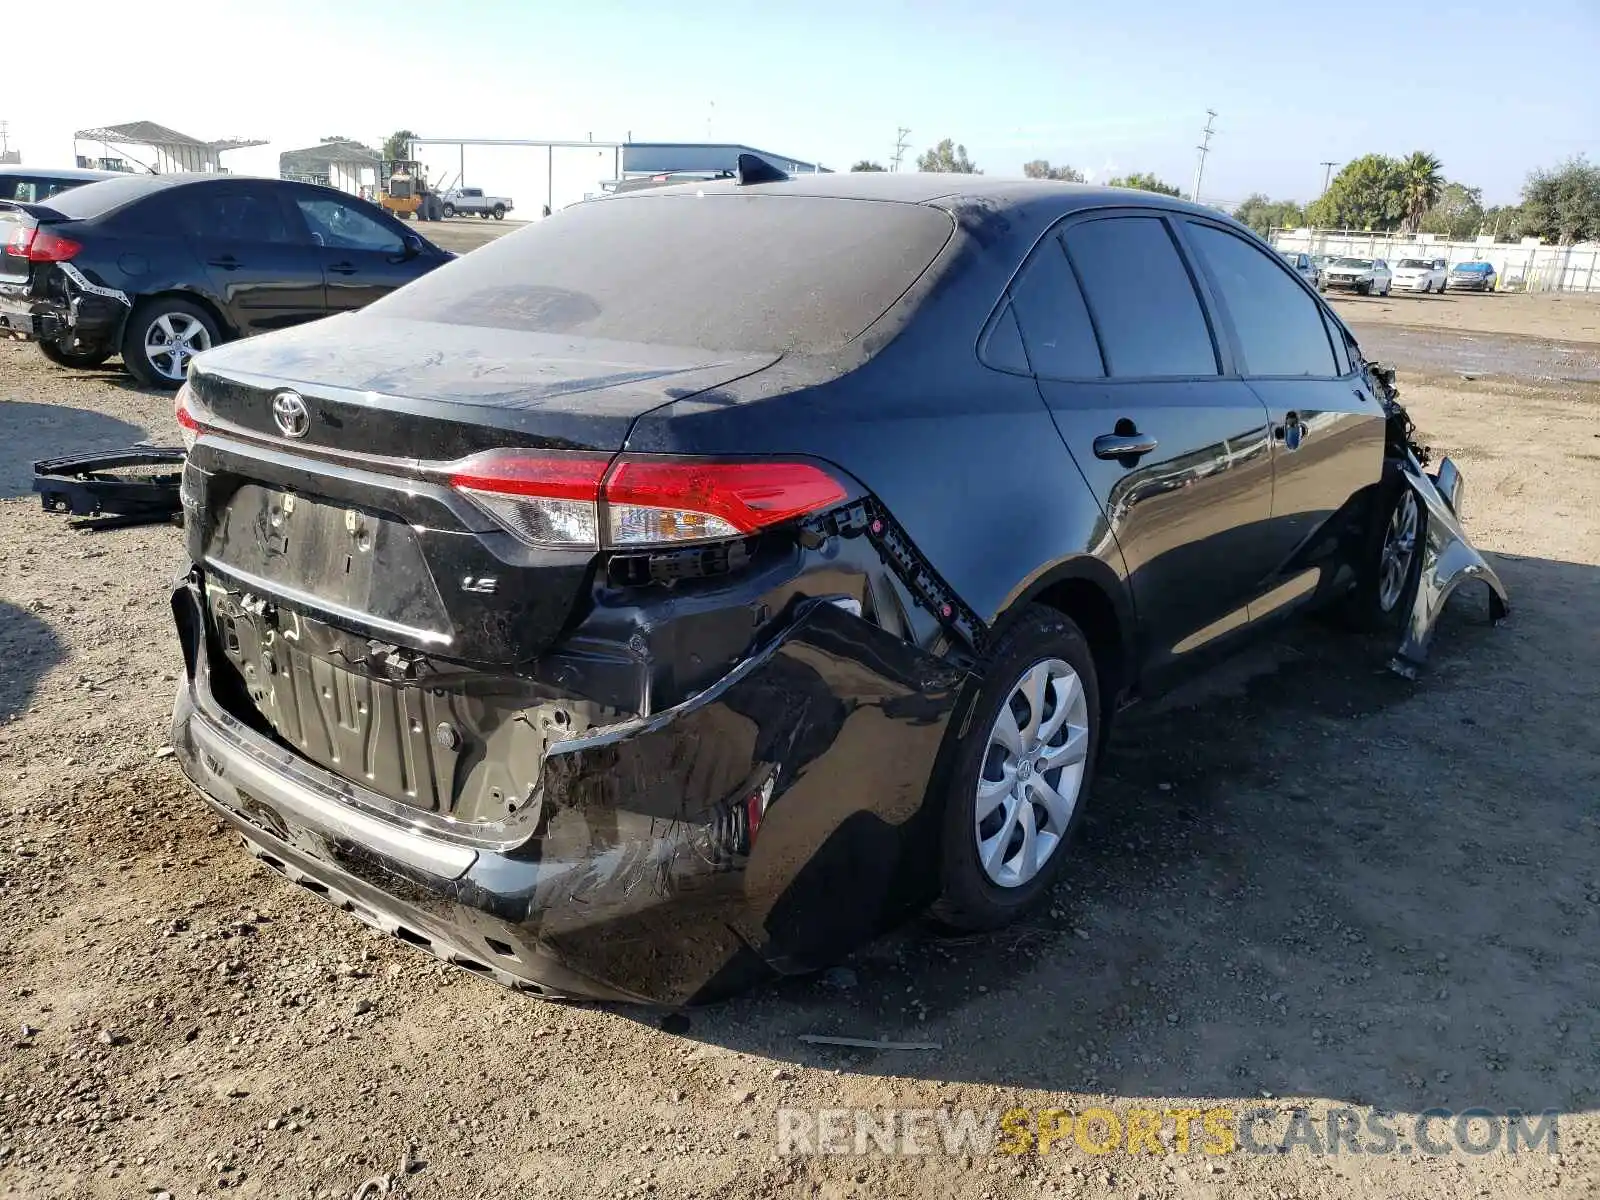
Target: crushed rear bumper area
point(765, 825)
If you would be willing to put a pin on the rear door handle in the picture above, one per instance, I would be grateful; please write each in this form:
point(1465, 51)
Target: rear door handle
point(227, 262)
point(1124, 445)
point(342, 268)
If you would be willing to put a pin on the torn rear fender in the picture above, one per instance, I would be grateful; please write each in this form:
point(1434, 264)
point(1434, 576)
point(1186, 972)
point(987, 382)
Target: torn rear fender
point(1448, 560)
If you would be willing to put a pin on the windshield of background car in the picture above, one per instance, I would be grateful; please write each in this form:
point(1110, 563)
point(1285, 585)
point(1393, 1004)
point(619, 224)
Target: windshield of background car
point(717, 272)
point(1413, 264)
point(1475, 267)
point(1360, 263)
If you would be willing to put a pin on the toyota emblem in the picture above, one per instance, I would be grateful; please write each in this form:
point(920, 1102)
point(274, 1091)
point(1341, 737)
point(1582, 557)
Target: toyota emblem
point(290, 414)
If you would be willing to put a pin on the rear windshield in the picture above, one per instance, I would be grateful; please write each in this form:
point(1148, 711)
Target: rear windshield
point(1353, 262)
point(717, 272)
point(92, 199)
point(1413, 264)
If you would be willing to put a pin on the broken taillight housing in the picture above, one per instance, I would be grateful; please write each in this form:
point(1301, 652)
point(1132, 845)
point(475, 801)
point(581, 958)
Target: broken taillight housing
point(41, 246)
point(579, 500)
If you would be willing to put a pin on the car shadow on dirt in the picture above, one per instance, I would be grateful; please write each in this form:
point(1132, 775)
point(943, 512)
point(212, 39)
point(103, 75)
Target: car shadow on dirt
point(30, 432)
point(1313, 879)
point(29, 648)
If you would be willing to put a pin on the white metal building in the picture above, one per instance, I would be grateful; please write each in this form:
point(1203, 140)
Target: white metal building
point(348, 166)
point(146, 146)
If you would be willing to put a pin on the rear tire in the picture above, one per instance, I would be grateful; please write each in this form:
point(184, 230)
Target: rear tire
point(81, 359)
point(1390, 566)
point(1021, 774)
point(162, 335)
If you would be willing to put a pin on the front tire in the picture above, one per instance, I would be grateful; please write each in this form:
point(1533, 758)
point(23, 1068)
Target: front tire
point(160, 338)
point(1390, 567)
point(1021, 773)
point(499, 212)
point(449, 211)
point(81, 358)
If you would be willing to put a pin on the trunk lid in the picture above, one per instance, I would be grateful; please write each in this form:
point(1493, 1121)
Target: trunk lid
point(16, 223)
point(353, 522)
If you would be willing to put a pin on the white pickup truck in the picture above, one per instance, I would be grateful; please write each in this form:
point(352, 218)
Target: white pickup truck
point(472, 200)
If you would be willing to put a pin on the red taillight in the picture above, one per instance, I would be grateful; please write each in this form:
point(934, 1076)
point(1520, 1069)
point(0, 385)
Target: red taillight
point(556, 498)
point(40, 245)
point(661, 500)
point(547, 499)
point(189, 426)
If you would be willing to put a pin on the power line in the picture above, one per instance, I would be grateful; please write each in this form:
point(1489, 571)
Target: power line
point(901, 133)
point(1205, 148)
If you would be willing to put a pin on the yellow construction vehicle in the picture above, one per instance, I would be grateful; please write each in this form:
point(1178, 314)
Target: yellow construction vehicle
point(405, 192)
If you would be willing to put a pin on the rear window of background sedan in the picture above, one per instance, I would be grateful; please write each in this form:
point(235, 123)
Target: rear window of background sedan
point(718, 272)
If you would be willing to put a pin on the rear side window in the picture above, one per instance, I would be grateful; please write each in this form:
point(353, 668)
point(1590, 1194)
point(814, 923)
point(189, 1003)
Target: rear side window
point(723, 272)
point(1055, 323)
point(1279, 326)
point(233, 216)
point(1141, 297)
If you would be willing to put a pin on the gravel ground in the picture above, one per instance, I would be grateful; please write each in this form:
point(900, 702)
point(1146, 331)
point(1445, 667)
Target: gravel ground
point(1304, 885)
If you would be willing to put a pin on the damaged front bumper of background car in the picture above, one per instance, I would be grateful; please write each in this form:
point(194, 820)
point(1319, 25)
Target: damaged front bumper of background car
point(755, 828)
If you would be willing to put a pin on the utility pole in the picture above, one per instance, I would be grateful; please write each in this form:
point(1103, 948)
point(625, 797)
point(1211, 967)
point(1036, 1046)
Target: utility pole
point(1327, 173)
point(901, 133)
point(1205, 148)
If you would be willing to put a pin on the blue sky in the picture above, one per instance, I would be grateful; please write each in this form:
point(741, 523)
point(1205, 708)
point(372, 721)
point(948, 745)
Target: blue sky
point(1109, 88)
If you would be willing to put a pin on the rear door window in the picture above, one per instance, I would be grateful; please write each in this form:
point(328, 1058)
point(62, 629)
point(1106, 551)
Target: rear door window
point(1278, 323)
point(1054, 319)
point(229, 215)
point(1140, 296)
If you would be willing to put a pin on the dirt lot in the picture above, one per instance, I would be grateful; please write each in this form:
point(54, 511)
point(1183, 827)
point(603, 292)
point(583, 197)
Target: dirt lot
point(1305, 885)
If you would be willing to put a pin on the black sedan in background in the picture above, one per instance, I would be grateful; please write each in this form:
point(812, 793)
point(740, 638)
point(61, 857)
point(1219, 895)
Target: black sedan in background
point(31, 184)
point(158, 268)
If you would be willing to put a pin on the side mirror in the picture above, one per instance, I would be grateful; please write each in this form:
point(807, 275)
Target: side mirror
point(413, 243)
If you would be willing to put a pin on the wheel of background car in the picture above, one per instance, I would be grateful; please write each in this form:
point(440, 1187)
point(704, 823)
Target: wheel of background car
point(449, 210)
point(162, 335)
point(1391, 558)
point(499, 212)
point(1021, 775)
point(482, 216)
point(80, 358)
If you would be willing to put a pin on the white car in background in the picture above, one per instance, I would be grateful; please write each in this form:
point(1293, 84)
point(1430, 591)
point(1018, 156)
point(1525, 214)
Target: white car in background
point(1304, 266)
point(1420, 275)
point(1364, 276)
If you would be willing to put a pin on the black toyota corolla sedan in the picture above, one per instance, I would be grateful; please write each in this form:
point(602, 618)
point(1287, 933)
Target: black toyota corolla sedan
point(158, 268)
point(689, 586)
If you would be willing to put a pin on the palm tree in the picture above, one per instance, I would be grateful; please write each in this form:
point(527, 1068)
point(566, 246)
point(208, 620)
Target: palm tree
point(1421, 182)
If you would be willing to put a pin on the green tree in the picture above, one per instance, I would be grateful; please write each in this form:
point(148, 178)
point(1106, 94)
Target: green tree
point(398, 144)
point(1145, 182)
point(1040, 168)
point(947, 157)
point(1367, 194)
point(867, 165)
point(1264, 215)
point(1503, 222)
point(336, 137)
point(1421, 183)
point(1457, 214)
point(1563, 205)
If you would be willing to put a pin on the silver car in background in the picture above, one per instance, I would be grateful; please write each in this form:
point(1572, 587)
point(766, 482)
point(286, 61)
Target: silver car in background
point(1364, 276)
point(1304, 266)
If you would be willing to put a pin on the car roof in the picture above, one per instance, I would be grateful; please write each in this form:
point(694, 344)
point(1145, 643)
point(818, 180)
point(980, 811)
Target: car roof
point(56, 173)
point(947, 190)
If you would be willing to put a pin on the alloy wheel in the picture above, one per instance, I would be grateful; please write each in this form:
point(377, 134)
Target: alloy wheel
point(1032, 773)
point(171, 340)
point(1399, 548)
